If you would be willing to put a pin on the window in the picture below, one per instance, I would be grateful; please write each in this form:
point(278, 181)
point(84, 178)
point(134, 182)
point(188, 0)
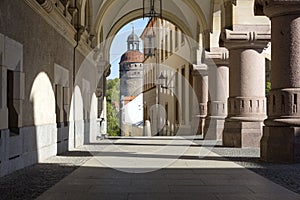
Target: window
point(182, 38)
point(171, 42)
point(176, 37)
point(183, 95)
point(57, 105)
point(162, 51)
point(12, 113)
point(166, 46)
point(65, 102)
point(177, 98)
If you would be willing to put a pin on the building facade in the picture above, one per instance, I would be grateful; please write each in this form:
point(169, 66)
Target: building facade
point(167, 57)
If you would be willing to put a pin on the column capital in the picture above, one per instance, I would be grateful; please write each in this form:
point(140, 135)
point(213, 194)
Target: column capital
point(218, 57)
point(246, 39)
point(273, 8)
point(200, 70)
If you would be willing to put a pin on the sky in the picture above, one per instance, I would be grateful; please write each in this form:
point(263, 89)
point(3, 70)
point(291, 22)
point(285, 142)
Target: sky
point(119, 44)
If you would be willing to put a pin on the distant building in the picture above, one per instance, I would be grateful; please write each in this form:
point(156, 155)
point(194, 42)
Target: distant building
point(165, 49)
point(131, 82)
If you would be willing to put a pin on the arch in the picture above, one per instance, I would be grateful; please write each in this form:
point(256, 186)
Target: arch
point(43, 100)
point(136, 14)
point(191, 4)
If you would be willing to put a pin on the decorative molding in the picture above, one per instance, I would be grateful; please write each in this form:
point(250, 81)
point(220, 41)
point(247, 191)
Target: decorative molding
point(246, 39)
point(84, 48)
point(200, 70)
point(284, 106)
point(217, 108)
point(47, 5)
point(202, 110)
point(219, 57)
point(273, 8)
point(247, 107)
point(54, 18)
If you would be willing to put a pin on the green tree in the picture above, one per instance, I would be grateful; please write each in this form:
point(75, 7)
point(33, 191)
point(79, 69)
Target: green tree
point(112, 102)
point(268, 87)
point(112, 121)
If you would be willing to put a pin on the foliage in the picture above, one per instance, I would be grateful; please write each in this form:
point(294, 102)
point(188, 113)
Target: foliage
point(113, 90)
point(112, 121)
point(112, 99)
point(268, 87)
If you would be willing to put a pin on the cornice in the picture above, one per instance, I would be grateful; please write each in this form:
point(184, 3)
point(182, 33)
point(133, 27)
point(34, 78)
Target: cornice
point(245, 39)
point(275, 8)
point(219, 57)
point(54, 18)
point(200, 70)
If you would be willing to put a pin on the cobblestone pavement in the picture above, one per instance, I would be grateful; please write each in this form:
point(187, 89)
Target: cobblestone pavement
point(286, 175)
point(32, 181)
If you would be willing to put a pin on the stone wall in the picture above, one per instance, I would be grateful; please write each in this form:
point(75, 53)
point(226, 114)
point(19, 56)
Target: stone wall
point(41, 61)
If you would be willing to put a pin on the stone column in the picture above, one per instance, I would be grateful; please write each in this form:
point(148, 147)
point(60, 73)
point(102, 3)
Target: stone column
point(200, 79)
point(218, 85)
point(281, 135)
point(247, 102)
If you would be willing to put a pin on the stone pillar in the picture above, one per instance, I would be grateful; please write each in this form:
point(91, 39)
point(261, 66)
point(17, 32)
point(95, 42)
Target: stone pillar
point(281, 135)
point(200, 79)
point(247, 102)
point(218, 85)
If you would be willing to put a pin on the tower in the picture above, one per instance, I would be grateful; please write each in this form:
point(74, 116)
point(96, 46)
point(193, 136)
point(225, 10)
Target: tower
point(131, 83)
point(131, 68)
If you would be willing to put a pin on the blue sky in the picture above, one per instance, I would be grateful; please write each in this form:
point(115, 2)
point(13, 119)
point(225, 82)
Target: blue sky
point(119, 45)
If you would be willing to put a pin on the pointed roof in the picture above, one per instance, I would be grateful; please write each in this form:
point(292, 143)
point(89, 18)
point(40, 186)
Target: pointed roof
point(133, 37)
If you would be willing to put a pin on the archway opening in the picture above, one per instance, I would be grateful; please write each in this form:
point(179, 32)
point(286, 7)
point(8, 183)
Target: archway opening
point(149, 91)
point(124, 84)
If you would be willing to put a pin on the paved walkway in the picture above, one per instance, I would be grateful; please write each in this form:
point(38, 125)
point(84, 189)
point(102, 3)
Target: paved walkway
point(156, 168)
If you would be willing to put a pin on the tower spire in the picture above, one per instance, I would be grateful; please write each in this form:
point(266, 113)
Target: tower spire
point(133, 40)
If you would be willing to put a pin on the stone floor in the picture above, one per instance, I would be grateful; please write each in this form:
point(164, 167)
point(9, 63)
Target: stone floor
point(162, 168)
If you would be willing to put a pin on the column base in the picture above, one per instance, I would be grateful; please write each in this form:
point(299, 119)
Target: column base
point(242, 134)
point(198, 125)
point(280, 144)
point(214, 128)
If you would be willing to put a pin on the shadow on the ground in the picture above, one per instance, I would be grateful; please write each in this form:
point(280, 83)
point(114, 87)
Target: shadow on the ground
point(31, 182)
point(92, 182)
